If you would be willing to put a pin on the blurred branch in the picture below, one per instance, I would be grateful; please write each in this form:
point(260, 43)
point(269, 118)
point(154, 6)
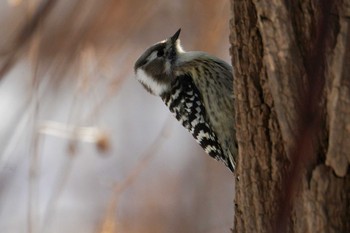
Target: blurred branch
point(109, 223)
point(34, 48)
point(26, 32)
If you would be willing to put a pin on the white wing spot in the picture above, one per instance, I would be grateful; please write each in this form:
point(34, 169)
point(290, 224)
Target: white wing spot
point(189, 104)
point(202, 135)
point(209, 149)
point(194, 122)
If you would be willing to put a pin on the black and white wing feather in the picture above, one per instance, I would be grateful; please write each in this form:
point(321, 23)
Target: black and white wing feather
point(184, 100)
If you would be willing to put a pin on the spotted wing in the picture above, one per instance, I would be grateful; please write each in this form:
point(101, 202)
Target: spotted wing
point(185, 102)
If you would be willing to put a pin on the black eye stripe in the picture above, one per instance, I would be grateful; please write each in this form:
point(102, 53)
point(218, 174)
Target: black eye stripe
point(141, 63)
point(160, 53)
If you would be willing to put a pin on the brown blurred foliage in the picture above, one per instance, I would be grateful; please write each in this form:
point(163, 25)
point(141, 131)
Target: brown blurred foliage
point(80, 54)
point(66, 28)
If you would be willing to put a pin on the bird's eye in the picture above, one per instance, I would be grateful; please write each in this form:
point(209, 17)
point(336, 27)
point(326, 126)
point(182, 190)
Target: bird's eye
point(160, 53)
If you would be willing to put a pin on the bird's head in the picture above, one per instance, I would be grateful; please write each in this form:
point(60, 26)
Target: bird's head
point(154, 68)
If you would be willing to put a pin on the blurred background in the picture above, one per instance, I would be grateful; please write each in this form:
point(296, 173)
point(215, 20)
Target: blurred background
point(83, 147)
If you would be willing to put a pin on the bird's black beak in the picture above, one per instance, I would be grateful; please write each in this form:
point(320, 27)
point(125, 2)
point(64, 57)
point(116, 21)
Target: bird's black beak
point(175, 36)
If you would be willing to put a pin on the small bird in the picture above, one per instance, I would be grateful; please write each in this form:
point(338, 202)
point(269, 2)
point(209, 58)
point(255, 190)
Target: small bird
point(197, 88)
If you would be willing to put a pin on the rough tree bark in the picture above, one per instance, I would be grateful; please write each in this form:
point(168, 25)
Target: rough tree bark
point(291, 64)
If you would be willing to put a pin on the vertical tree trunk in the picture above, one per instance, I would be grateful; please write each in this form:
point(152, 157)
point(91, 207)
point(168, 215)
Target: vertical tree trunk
point(291, 64)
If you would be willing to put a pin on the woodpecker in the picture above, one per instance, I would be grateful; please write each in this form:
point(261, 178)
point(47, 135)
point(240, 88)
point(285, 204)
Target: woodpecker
point(197, 88)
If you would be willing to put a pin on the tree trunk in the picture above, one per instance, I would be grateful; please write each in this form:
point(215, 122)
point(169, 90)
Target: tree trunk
point(291, 64)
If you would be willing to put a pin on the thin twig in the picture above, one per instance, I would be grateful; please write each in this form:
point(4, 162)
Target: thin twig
point(109, 223)
point(26, 33)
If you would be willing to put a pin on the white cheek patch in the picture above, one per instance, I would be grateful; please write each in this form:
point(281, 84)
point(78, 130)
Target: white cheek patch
point(156, 87)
